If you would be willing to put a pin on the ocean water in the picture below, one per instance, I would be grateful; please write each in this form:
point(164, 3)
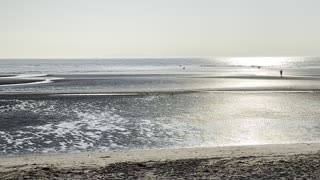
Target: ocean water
point(76, 105)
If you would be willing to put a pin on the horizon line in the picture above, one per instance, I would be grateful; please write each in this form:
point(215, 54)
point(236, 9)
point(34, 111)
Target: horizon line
point(180, 57)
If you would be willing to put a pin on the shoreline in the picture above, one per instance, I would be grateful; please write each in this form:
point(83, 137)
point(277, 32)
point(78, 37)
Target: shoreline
point(96, 158)
point(137, 93)
point(146, 163)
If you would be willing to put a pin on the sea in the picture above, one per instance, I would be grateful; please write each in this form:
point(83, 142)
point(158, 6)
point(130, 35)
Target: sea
point(50, 106)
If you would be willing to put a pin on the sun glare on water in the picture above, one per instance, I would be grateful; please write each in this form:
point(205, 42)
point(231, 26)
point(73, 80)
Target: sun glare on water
point(258, 61)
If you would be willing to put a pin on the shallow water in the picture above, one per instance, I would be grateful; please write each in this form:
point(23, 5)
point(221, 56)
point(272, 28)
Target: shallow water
point(86, 123)
point(102, 105)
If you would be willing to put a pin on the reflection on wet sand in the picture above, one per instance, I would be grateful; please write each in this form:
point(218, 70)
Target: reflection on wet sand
point(158, 83)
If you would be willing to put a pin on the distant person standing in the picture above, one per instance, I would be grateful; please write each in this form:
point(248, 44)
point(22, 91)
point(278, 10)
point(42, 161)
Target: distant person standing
point(281, 73)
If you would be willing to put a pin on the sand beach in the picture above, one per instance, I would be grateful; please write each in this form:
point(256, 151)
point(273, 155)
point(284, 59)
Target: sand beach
point(234, 162)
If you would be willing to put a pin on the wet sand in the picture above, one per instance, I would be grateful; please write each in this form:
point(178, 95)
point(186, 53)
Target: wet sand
point(238, 162)
point(11, 81)
point(260, 77)
point(124, 84)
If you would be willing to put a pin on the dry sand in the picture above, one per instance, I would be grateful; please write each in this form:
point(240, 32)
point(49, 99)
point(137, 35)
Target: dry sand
point(240, 162)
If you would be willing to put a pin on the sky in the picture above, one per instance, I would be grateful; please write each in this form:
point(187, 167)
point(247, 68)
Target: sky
point(158, 28)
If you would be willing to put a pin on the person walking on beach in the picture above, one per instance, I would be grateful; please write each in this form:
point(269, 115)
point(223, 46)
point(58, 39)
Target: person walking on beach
point(281, 73)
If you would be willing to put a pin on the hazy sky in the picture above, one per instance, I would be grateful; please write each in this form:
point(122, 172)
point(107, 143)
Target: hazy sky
point(158, 28)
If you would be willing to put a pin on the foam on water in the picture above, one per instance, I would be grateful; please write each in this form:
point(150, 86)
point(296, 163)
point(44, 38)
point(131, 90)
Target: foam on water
point(85, 126)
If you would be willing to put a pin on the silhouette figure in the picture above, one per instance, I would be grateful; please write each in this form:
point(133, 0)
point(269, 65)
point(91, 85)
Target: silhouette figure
point(281, 73)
